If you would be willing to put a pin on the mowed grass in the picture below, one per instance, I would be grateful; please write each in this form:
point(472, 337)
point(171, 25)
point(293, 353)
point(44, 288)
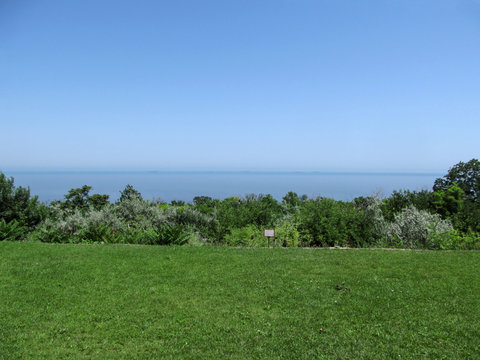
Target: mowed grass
point(141, 302)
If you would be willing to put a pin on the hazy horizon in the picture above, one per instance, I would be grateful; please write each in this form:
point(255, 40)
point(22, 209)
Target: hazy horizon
point(177, 185)
point(220, 171)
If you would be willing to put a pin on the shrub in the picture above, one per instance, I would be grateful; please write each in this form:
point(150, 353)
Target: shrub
point(172, 235)
point(412, 228)
point(49, 232)
point(132, 209)
point(326, 222)
point(97, 233)
point(399, 200)
point(453, 240)
point(287, 234)
point(16, 204)
point(249, 235)
point(12, 230)
point(374, 225)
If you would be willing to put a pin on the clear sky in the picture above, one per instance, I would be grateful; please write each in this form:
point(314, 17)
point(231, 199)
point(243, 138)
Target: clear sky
point(328, 85)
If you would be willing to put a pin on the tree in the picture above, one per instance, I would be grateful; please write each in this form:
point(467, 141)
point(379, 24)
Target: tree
point(98, 201)
point(204, 204)
point(129, 193)
point(448, 202)
point(202, 200)
point(291, 199)
point(466, 176)
point(401, 199)
point(17, 205)
point(79, 198)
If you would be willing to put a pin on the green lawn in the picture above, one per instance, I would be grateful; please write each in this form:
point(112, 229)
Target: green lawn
point(140, 302)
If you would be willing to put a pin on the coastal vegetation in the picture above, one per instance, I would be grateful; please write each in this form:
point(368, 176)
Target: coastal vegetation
point(446, 217)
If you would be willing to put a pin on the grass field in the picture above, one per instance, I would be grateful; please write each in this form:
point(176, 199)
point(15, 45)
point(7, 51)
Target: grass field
point(140, 302)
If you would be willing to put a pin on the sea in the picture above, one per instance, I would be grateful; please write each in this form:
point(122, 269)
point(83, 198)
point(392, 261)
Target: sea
point(185, 185)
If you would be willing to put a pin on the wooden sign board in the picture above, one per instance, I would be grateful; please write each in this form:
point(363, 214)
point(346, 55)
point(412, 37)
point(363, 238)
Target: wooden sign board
point(269, 232)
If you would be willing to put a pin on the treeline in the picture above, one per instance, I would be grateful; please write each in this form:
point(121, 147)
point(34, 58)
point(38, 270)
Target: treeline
point(447, 217)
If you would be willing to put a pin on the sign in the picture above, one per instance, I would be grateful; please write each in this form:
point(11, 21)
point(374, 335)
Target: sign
point(269, 232)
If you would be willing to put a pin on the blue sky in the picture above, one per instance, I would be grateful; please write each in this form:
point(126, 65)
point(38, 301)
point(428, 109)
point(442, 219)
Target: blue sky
point(325, 85)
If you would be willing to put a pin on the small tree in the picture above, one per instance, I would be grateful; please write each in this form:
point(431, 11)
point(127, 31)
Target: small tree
point(80, 199)
point(129, 193)
point(17, 205)
point(465, 175)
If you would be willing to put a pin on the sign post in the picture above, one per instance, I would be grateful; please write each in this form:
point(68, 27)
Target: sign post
point(269, 233)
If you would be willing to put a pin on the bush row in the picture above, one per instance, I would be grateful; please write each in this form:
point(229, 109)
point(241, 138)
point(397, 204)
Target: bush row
point(445, 218)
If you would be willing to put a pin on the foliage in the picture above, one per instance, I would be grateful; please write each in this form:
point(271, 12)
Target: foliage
point(326, 222)
point(132, 220)
point(205, 204)
point(96, 233)
point(133, 211)
point(12, 230)
point(249, 235)
point(286, 234)
point(401, 199)
point(16, 204)
point(166, 235)
point(80, 199)
point(413, 228)
point(129, 193)
point(407, 219)
point(466, 176)
point(259, 210)
point(291, 199)
point(374, 225)
point(202, 200)
point(49, 232)
point(448, 202)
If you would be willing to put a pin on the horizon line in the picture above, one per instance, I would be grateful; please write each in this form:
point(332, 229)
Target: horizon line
point(252, 172)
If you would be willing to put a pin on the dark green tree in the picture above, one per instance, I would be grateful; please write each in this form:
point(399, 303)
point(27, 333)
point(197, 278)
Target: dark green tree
point(202, 200)
point(98, 201)
point(204, 204)
point(292, 199)
point(77, 197)
point(129, 193)
point(17, 205)
point(401, 199)
point(80, 198)
point(465, 175)
point(448, 202)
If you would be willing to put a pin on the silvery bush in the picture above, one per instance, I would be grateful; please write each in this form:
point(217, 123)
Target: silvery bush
point(413, 228)
point(373, 214)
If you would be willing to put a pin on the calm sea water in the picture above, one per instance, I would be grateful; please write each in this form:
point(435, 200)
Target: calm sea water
point(169, 186)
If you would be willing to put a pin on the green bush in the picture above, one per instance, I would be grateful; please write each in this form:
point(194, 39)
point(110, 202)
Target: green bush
point(249, 235)
point(172, 235)
point(326, 222)
point(12, 230)
point(97, 233)
point(16, 204)
point(453, 240)
point(287, 234)
point(50, 233)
